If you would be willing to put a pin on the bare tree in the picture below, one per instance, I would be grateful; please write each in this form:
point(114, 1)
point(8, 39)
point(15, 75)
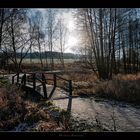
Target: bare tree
point(62, 39)
point(4, 16)
point(100, 27)
point(128, 41)
point(16, 44)
point(39, 34)
point(109, 34)
point(51, 33)
point(1, 24)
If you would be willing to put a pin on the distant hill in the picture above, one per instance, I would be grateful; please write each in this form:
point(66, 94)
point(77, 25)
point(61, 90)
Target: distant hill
point(56, 55)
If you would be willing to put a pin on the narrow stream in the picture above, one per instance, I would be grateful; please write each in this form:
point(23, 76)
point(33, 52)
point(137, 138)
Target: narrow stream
point(112, 116)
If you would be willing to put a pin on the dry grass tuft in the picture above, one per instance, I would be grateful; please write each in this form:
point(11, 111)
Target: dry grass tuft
point(127, 77)
point(120, 90)
point(17, 108)
point(11, 108)
point(121, 87)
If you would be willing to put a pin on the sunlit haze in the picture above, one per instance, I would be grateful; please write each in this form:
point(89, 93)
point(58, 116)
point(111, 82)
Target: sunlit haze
point(68, 19)
point(72, 40)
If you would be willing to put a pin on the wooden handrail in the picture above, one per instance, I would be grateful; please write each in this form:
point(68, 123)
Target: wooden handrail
point(39, 80)
point(69, 82)
point(43, 81)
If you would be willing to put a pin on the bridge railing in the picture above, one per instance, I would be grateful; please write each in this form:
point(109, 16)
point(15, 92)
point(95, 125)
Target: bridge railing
point(13, 78)
point(69, 82)
point(43, 80)
point(34, 81)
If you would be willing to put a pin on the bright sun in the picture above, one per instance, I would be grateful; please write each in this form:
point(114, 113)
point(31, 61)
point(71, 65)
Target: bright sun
point(71, 25)
point(72, 38)
point(72, 41)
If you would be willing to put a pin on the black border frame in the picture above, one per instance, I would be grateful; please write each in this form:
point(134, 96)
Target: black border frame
point(69, 4)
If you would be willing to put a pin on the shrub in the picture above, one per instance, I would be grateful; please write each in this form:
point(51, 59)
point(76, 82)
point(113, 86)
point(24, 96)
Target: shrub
point(121, 90)
point(12, 107)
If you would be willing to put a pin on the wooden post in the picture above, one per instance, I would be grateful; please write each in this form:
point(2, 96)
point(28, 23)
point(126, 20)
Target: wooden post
point(13, 79)
point(24, 81)
point(44, 86)
point(70, 87)
point(34, 81)
point(54, 78)
point(17, 77)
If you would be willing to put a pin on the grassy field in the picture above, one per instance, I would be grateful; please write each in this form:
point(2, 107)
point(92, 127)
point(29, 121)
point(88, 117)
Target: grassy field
point(56, 61)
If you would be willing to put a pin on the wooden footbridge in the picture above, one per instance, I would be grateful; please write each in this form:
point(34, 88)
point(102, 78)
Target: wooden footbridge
point(38, 82)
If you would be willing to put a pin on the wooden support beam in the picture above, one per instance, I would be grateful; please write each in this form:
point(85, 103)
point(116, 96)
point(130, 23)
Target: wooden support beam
point(13, 79)
point(34, 81)
point(17, 77)
point(54, 78)
point(24, 81)
point(70, 87)
point(44, 86)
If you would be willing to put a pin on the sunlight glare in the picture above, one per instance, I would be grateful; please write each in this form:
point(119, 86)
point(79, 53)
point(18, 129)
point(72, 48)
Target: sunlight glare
point(71, 25)
point(72, 41)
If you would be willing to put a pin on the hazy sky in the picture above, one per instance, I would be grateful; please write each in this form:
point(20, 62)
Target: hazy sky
point(69, 21)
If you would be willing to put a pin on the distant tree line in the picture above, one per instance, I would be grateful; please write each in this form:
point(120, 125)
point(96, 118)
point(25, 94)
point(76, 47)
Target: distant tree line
point(56, 55)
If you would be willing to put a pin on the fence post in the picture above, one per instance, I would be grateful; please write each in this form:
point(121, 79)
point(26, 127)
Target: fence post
point(54, 78)
point(34, 81)
point(70, 87)
point(13, 79)
point(17, 77)
point(44, 86)
point(24, 79)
